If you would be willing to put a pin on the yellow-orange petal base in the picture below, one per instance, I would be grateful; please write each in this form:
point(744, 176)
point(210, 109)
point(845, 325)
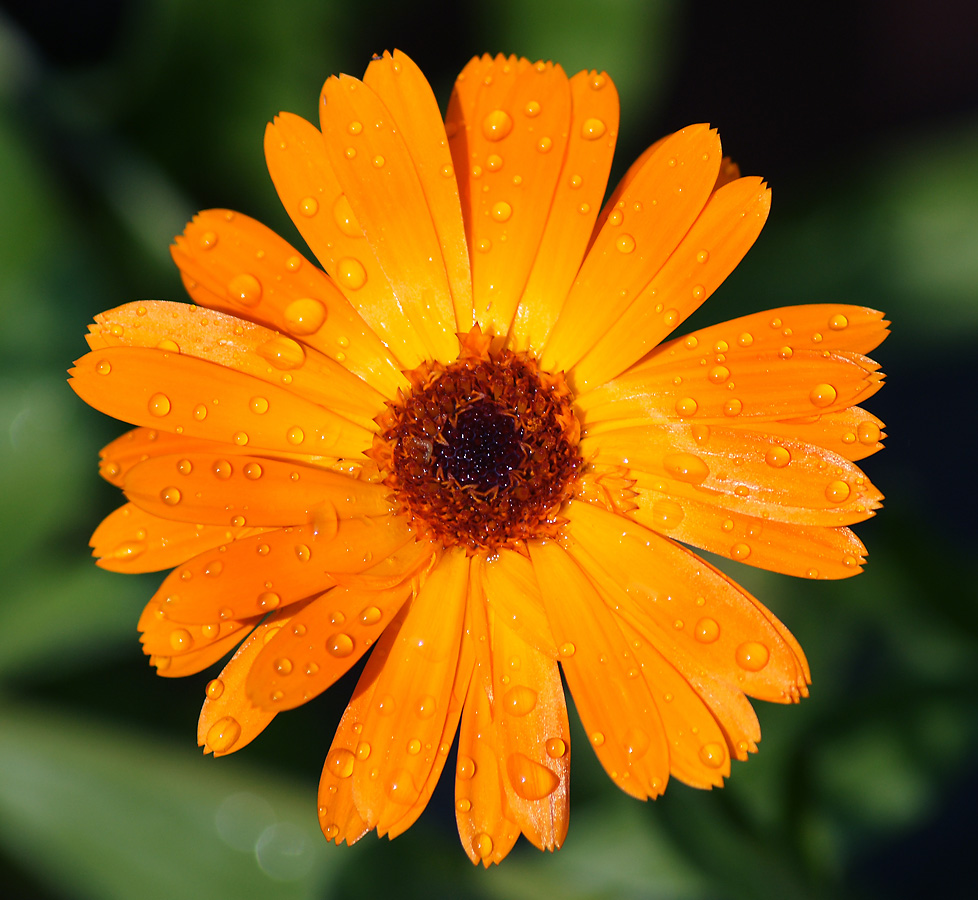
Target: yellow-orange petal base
point(467, 449)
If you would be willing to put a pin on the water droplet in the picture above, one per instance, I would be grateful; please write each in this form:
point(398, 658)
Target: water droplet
point(667, 514)
point(378, 161)
point(740, 551)
point(706, 631)
point(185, 467)
point(413, 747)
point(530, 779)
point(371, 615)
point(170, 496)
point(556, 748)
point(159, 405)
point(245, 289)
point(305, 316)
point(283, 666)
point(283, 353)
point(567, 649)
point(597, 738)
point(339, 644)
point(837, 491)
point(309, 206)
point(215, 688)
point(733, 407)
point(208, 240)
point(532, 109)
point(363, 750)
point(464, 805)
point(786, 352)
point(752, 656)
point(351, 274)
point(838, 322)
point(222, 469)
point(181, 639)
point(466, 767)
point(295, 435)
point(482, 845)
point(447, 171)
point(268, 600)
point(426, 707)
point(520, 700)
point(777, 457)
point(625, 243)
point(253, 471)
point(823, 395)
point(103, 367)
point(545, 144)
point(200, 412)
point(496, 125)
point(636, 744)
point(592, 129)
point(223, 733)
point(240, 438)
point(713, 755)
point(868, 433)
point(302, 552)
point(501, 211)
point(340, 762)
point(575, 181)
point(345, 218)
point(719, 374)
point(686, 467)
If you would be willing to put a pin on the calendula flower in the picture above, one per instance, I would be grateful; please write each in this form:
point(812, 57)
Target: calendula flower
point(468, 448)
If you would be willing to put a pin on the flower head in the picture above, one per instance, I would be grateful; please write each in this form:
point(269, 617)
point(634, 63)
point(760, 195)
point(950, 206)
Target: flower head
point(470, 452)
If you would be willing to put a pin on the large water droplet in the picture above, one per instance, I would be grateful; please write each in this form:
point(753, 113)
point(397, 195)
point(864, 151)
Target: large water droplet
point(713, 755)
point(345, 218)
point(752, 656)
point(823, 395)
point(215, 688)
point(339, 644)
point(305, 316)
point(667, 513)
point(283, 353)
point(340, 762)
point(556, 748)
point(351, 274)
point(592, 129)
point(686, 467)
point(482, 845)
point(245, 289)
point(837, 491)
point(222, 735)
point(159, 405)
point(496, 125)
point(530, 779)
point(466, 767)
point(501, 211)
point(170, 496)
point(520, 700)
point(181, 639)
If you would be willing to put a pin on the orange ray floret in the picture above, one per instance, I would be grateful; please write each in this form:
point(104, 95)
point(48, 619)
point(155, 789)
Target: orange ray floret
point(464, 454)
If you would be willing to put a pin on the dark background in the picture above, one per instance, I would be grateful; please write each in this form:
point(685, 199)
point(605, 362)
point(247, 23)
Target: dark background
point(118, 120)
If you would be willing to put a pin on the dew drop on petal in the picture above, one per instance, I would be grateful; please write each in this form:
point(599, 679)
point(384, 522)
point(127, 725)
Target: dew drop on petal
point(308, 206)
point(283, 666)
point(295, 435)
point(240, 438)
point(530, 779)
point(838, 322)
point(258, 405)
point(733, 407)
point(466, 767)
point(667, 514)
point(351, 274)
point(245, 289)
point(567, 649)
point(823, 395)
point(363, 750)
point(185, 467)
point(339, 644)
point(686, 467)
point(221, 736)
point(482, 845)
point(777, 457)
point(200, 412)
point(532, 109)
point(103, 367)
point(215, 688)
point(837, 491)
point(556, 748)
point(592, 129)
point(706, 631)
point(501, 211)
point(345, 218)
point(170, 496)
point(740, 551)
point(371, 615)
point(868, 433)
point(496, 125)
point(426, 706)
point(283, 353)
point(159, 405)
point(302, 552)
point(268, 600)
point(222, 469)
point(208, 240)
point(713, 755)
point(520, 700)
point(305, 316)
point(340, 762)
point(752, 656)
point(597, 738)
point(181, 639)
point(625, 243)
point(719, 374)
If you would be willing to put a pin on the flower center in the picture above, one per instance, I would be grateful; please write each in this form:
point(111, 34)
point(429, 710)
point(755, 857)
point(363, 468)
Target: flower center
point(483, 451)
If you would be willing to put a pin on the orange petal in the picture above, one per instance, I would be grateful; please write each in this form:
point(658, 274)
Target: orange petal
point(375, 170)
point(228, 720)
point(486, 826)
point(404, 90)
point(532, 737)
point(338, 815)
point(508, 133)
point(412, 694)
point(655, 211)
point(200, 399)
point(801, 550)
point(698, 752)
point(119, 456)
point(745, 472)
point(235, 264)
point(460, 687)
point(685, 381)
point(259, 574)
point(573, 210)
point(725, 230)
point(132, 540)
point(657, 588)
point(852, 433)
point(512, 590)
point(617, 710)
point(311, 194)
point(243, 346)
point(324, 640)
point(214, 490)
point(161, 636)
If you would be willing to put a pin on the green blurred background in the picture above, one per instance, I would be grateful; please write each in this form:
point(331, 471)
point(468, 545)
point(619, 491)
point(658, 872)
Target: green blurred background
point(118, 120)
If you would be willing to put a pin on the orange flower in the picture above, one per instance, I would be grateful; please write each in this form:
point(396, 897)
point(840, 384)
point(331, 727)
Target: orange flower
point(469, 446)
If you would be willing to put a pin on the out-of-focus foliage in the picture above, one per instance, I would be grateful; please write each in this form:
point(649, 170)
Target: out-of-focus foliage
point(118, 121)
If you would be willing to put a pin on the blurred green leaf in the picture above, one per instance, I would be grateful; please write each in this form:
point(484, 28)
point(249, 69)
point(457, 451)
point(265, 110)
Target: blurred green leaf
point(103, 814)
